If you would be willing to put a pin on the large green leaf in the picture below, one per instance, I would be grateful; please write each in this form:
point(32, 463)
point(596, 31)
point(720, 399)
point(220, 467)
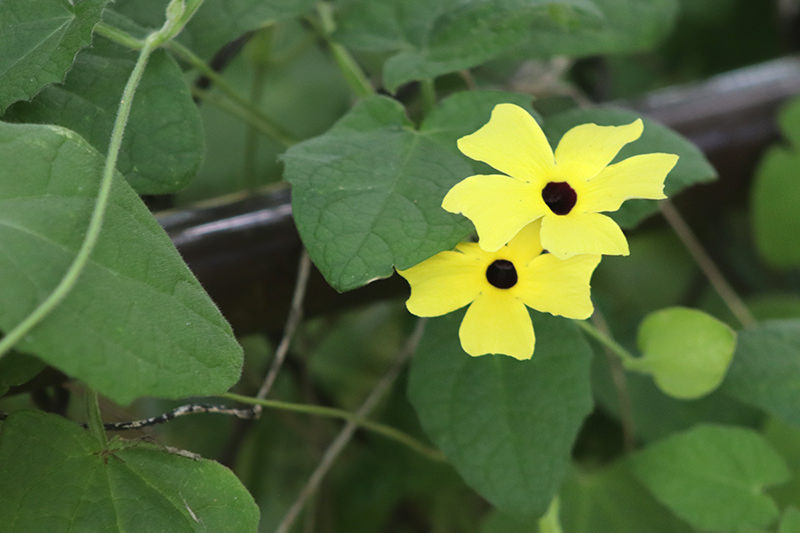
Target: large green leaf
point(766, 368)
point(507, 426)
point(137, 322)
point(685, 350)
point(625, 26)
point(39, 40)
point(611, 499)
point(216, 23)
point(163, 143)
point(692, 167)
point(57, 477)
point(366, 195)
point(435, 37)
point(714, 476)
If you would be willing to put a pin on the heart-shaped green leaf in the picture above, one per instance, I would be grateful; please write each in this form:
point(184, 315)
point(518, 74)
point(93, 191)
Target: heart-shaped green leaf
point(137, 322)
point(57, 477)
point(714, 476)
point(685, 350)
point(507, 426)
point(366, 195)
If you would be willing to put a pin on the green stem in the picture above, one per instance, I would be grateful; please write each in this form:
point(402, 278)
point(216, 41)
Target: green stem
point(707, 265)
point(607, 341)
point(243, 109)
point(353, 74)
point(428, 92)
point(267, 126)
point(98, 214)
point(330, 412)
point(95, 420)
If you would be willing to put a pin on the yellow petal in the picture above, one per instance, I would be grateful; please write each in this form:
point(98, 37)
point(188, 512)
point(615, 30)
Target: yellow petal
point(586, 149)
point(496, 322)
point(582, 233)
point(512, 142)
point(640, 176)
point(498, 207)
point(558, 287)
point(444, 282)
point(525, 246)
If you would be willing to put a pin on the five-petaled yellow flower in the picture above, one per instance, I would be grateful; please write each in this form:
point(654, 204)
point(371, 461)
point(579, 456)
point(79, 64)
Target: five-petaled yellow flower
point(567, 190)
point(497, 286)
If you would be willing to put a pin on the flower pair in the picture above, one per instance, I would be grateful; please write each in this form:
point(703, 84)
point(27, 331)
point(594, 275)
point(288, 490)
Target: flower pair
point(544, 201)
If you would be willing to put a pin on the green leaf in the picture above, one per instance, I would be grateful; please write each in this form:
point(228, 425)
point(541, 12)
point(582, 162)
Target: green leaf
point(215, 24)
point(624, 26)
point(17, 368)
point(431, 38)
point(786, 441)
point(39, 40)
point(137, 322)
point(790, 522)
point(163, 144)
point(366, 195)
point(611, 499)
point(714, 476)
point(56, 477)
point(507, 426)
point(775, 203)
point(766, 368)
point(692, 167)
point(685, 350)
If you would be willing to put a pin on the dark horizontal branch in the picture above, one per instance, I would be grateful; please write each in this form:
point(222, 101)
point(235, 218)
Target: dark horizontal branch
point(245, 251)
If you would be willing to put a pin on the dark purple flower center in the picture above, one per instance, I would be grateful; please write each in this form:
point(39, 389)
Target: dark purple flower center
point(559, 197)
point(502, 274)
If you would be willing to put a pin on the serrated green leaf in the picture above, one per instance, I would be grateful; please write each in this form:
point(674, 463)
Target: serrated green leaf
point(692, 167)
point(366, 195)
point(685, 350)
point(775, 204)
point(137, 322)
point(714, 476)
point(216, 23)
point(766, 368)
point(507, 426)
point(431, 38)
point(611, 499)
point(163, 144)
point(56, 477)
point(39, 40)
point(624, 26)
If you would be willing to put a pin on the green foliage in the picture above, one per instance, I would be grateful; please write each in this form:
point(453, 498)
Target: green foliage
point(367, 195)
point(714, 477)
point(56, 477)
point(790, 522)
point(507, 426)
point(611, 499)
point(135, 308)
point(215, 24)
point(686, 351)
point(692, 167)
point(776, 195)
point(163, 144)
point(39, 39)
point(765, 368)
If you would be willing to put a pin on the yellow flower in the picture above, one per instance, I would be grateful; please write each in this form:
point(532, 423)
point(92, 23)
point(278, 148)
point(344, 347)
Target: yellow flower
point(567, 190)
point(497, 286)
